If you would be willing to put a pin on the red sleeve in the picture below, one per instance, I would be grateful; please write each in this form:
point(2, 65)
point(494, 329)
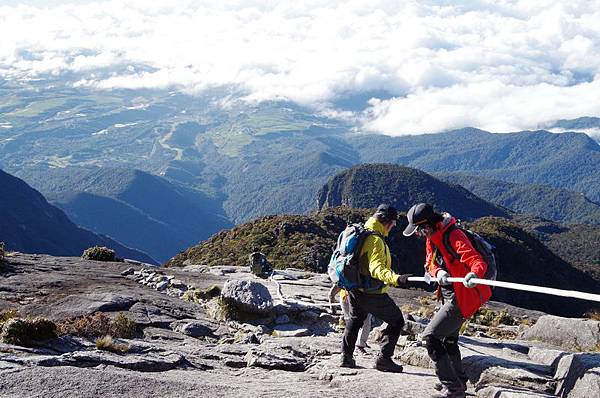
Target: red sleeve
point(468, 255)
point(431, 266)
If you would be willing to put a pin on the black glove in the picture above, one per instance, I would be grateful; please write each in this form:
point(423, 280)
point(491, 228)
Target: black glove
point(402, 280)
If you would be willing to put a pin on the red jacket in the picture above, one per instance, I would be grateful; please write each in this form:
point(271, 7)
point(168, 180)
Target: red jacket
point(469, 299)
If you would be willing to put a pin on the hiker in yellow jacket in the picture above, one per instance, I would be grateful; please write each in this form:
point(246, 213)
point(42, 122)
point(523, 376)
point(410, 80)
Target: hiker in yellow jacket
point(376, 276)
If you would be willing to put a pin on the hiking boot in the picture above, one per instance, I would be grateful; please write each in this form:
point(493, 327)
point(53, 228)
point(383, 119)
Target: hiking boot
point(362, 350)
point(347, 362)
point(445, 392)
point(385, 364)
point(438, 386)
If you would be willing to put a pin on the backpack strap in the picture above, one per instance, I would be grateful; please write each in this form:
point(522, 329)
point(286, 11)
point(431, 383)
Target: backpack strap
point(446, 241)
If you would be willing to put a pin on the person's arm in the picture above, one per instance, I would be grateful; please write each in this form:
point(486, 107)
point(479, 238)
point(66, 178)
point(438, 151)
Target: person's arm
point(467, 253)
point(378, 266)
point(431, 266)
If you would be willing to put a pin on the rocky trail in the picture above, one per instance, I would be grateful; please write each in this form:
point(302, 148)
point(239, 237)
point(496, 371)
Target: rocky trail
point(194, 340)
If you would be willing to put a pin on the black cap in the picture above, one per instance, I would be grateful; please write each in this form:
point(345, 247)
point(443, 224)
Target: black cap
point(418, 214)
point(386, 212)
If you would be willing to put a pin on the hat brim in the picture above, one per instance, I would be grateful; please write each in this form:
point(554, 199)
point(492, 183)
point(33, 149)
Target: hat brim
point(409, 230)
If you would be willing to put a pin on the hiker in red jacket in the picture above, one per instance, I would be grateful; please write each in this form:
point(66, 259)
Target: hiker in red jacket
point(459, 300)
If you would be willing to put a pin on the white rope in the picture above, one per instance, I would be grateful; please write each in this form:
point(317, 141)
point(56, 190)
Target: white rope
point(294, 301)
point(518, 286)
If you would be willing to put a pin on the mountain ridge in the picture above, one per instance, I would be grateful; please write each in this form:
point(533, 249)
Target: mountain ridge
point(29, 223)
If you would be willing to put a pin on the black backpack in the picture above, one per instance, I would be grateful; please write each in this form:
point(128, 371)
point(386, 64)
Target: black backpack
point(485, 249)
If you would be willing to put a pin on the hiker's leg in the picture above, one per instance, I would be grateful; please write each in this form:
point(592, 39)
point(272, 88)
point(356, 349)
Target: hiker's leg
point(354, 321)
point(364, 332)
point(451, 344)
point(384, 308)
point(443, 324)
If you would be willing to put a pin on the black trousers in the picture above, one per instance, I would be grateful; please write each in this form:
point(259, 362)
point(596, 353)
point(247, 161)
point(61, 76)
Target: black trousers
point(379, 305)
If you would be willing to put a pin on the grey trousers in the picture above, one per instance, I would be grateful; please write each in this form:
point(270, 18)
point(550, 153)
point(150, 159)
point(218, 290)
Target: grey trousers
point(441, 339)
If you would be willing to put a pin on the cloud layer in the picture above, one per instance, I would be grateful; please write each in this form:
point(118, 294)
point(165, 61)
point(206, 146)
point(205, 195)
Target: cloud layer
point(497, 65)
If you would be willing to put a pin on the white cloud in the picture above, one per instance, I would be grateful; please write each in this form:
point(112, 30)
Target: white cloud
point(498, 65)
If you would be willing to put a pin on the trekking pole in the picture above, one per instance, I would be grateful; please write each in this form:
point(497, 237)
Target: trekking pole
point(517, 286)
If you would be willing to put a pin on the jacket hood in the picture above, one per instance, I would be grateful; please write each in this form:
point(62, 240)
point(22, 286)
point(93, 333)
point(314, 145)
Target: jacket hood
point(376, 226)
point(443, 225)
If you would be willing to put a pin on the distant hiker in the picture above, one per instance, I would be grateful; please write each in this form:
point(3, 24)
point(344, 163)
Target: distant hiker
point(371, 298)
point(259, 265)
point(344, 301)
point(459, 300)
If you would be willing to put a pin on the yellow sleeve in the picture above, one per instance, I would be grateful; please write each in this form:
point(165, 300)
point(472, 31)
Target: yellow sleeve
point(379, 267)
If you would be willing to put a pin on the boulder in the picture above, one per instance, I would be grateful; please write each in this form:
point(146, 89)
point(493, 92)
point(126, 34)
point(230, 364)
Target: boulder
point(515, 377)
point(476, 365)
point(248, 296)
point(415, 356)
point(275, 359)
point(575, 334)
point(578, 376)
point(192, 329)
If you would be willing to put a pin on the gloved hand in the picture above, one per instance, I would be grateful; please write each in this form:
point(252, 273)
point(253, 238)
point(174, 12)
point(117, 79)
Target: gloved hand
point(467, 282)
point(402, 280)
point(442, 277)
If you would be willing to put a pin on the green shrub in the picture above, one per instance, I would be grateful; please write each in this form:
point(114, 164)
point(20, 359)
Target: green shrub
point(123, 326)
point(5, 315)
point(196, 295)
point(107, 343)
point(25, 332)
point(486, 317)
point(2, 251)
point(99, 253)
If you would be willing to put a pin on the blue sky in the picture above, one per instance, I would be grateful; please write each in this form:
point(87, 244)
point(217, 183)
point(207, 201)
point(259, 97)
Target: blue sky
point(498, 65)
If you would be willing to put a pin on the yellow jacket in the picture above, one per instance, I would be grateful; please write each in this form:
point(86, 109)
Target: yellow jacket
point(376, 260)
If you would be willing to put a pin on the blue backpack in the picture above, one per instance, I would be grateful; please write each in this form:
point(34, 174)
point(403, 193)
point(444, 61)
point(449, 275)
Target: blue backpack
point(343, 268)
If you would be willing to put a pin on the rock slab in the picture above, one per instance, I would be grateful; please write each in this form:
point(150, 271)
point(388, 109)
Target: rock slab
point(571, 333)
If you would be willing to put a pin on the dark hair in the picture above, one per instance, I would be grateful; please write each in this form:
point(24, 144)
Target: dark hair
point(436, 218)
point(385, 213)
